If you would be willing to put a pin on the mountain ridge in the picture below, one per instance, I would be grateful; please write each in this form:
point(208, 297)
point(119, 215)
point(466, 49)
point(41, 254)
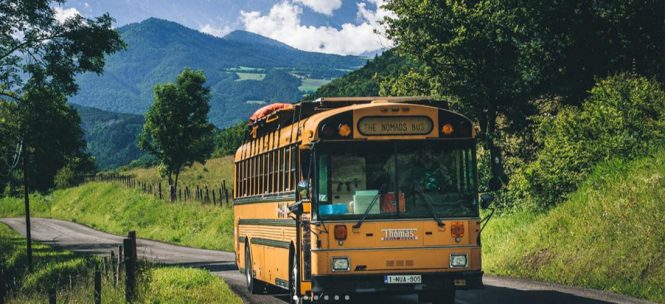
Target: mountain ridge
point(244, 70)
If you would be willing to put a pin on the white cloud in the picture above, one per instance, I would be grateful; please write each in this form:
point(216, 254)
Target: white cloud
point(283, 23)
point(326, 7)
point(215, 31)
point(62, 14)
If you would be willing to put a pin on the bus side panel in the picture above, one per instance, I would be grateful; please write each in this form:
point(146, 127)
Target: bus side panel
point(268, 236)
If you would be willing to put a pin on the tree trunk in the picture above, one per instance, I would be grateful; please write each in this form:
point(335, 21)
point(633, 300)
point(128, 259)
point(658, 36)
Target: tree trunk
point(175, 186)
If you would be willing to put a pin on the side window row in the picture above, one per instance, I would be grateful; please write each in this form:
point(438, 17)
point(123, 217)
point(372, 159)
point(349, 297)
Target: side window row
point(272, 172)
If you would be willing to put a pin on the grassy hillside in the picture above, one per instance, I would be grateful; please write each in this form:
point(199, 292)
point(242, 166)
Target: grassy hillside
point(212, 174)
point(608, 235)
point(113, 208)
point(55, 268)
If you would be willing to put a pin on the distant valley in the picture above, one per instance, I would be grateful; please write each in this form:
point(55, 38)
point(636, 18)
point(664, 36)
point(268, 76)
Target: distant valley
point(244, 71)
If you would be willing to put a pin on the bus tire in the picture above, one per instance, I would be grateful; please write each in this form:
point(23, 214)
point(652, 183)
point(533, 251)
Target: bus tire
point(254, 286)
point(294, 286)
point(444, 297)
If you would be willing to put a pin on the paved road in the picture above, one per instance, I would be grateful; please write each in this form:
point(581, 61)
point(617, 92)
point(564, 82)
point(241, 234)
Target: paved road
point(79, 238)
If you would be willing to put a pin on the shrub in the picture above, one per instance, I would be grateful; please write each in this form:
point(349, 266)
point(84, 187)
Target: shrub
point(624, 116)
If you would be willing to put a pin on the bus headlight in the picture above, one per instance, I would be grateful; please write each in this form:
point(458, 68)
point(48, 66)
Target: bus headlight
point(458, 260)
point(340, 264)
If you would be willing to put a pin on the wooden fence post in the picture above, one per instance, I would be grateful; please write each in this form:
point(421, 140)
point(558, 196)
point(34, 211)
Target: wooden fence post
point(114, 270)
point(207, 198)
point(130, 271)
point(197, 192)
point(226, 193)
point(214, 200)
point(98, 287)
point(119, 265)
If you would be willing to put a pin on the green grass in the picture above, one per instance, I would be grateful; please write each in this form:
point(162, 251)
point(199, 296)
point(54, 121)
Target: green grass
point(71, 275)
point(178, 285)
point(311, 84)
point(116, 209)
point(609, 235)
point(250, 76)
point(211, 174)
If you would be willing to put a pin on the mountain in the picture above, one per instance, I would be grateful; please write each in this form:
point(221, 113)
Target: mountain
point(243, 70)
point(111, 137)
point(366, 80)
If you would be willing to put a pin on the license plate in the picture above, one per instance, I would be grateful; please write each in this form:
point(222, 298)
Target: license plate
point(402, 279)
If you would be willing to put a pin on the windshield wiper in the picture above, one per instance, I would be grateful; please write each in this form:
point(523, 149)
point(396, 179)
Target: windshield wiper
point(362, 219)
point(431, 209)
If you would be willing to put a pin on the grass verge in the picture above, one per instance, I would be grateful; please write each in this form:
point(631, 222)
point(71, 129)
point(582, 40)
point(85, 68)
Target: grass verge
point(114, 208)
point(71, 275)
point(608, 235)
point(212, 174)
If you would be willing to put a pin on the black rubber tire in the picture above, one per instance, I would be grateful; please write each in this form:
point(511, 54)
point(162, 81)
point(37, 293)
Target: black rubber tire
point(293, 279)
point(253, 286)
point(444, 297)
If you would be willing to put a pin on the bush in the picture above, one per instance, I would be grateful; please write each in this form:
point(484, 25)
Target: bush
point(624, 116)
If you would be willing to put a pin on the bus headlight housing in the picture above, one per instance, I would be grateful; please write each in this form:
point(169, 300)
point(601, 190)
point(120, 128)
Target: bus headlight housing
point(340, 264)
point(458, 260)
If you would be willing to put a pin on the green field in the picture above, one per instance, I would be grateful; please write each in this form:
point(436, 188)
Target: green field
point(609, 235)
point(311, 84)
point(71, 275)
point(211, 174)
point(114, 208)
point(250, 76)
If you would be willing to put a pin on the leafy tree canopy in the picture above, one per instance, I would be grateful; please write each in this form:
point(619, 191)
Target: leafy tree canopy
point(39, 58)
point(176, 128)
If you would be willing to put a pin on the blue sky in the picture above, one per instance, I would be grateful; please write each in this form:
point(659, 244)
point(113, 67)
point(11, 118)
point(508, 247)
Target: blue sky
point(329, 26)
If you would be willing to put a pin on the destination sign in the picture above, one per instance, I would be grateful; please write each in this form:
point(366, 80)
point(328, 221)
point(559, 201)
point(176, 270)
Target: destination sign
point(395, 125)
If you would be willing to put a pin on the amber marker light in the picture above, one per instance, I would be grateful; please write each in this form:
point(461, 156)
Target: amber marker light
point(447, 129)
point(344, 130)
point(457, 231)
point(340, 232)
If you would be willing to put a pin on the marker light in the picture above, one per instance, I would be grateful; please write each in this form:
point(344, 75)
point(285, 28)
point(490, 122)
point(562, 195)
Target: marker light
point(447, 129)
point(457, 229)
point(327, 130)
point(344, 130)
point(340, 232)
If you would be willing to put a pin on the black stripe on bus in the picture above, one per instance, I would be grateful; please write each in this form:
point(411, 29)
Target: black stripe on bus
point(271, 243)
point(264, 199)
point(268, 222)
point(242, 239)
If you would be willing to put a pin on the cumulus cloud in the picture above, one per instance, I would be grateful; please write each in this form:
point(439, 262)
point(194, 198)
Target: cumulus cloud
point(326, 7)
point(62, 14)
point(215, 31)
point(283, 23)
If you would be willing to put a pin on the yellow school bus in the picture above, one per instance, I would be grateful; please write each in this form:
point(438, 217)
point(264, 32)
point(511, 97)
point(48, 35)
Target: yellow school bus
point(346, 196)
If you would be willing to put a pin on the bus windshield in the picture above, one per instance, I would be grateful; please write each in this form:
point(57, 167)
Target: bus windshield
point(416, 179)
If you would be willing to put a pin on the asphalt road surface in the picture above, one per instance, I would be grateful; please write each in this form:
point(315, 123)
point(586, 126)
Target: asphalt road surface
point(80, 238)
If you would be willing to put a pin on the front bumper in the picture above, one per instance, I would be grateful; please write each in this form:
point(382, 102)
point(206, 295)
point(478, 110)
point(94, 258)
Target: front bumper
point(374, 283)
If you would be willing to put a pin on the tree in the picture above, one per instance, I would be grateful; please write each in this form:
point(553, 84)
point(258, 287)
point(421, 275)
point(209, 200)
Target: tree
point(39, 59)
point(469, 48)
point(51, 133)
point(176, 127)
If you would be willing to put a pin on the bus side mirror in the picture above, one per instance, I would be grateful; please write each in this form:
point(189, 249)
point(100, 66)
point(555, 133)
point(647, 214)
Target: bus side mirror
point(485, 200)
point(303, 189)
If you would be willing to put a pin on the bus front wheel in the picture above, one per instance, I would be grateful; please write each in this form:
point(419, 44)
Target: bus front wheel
point(294, 286)
point(253, 286)
point(443, 297)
